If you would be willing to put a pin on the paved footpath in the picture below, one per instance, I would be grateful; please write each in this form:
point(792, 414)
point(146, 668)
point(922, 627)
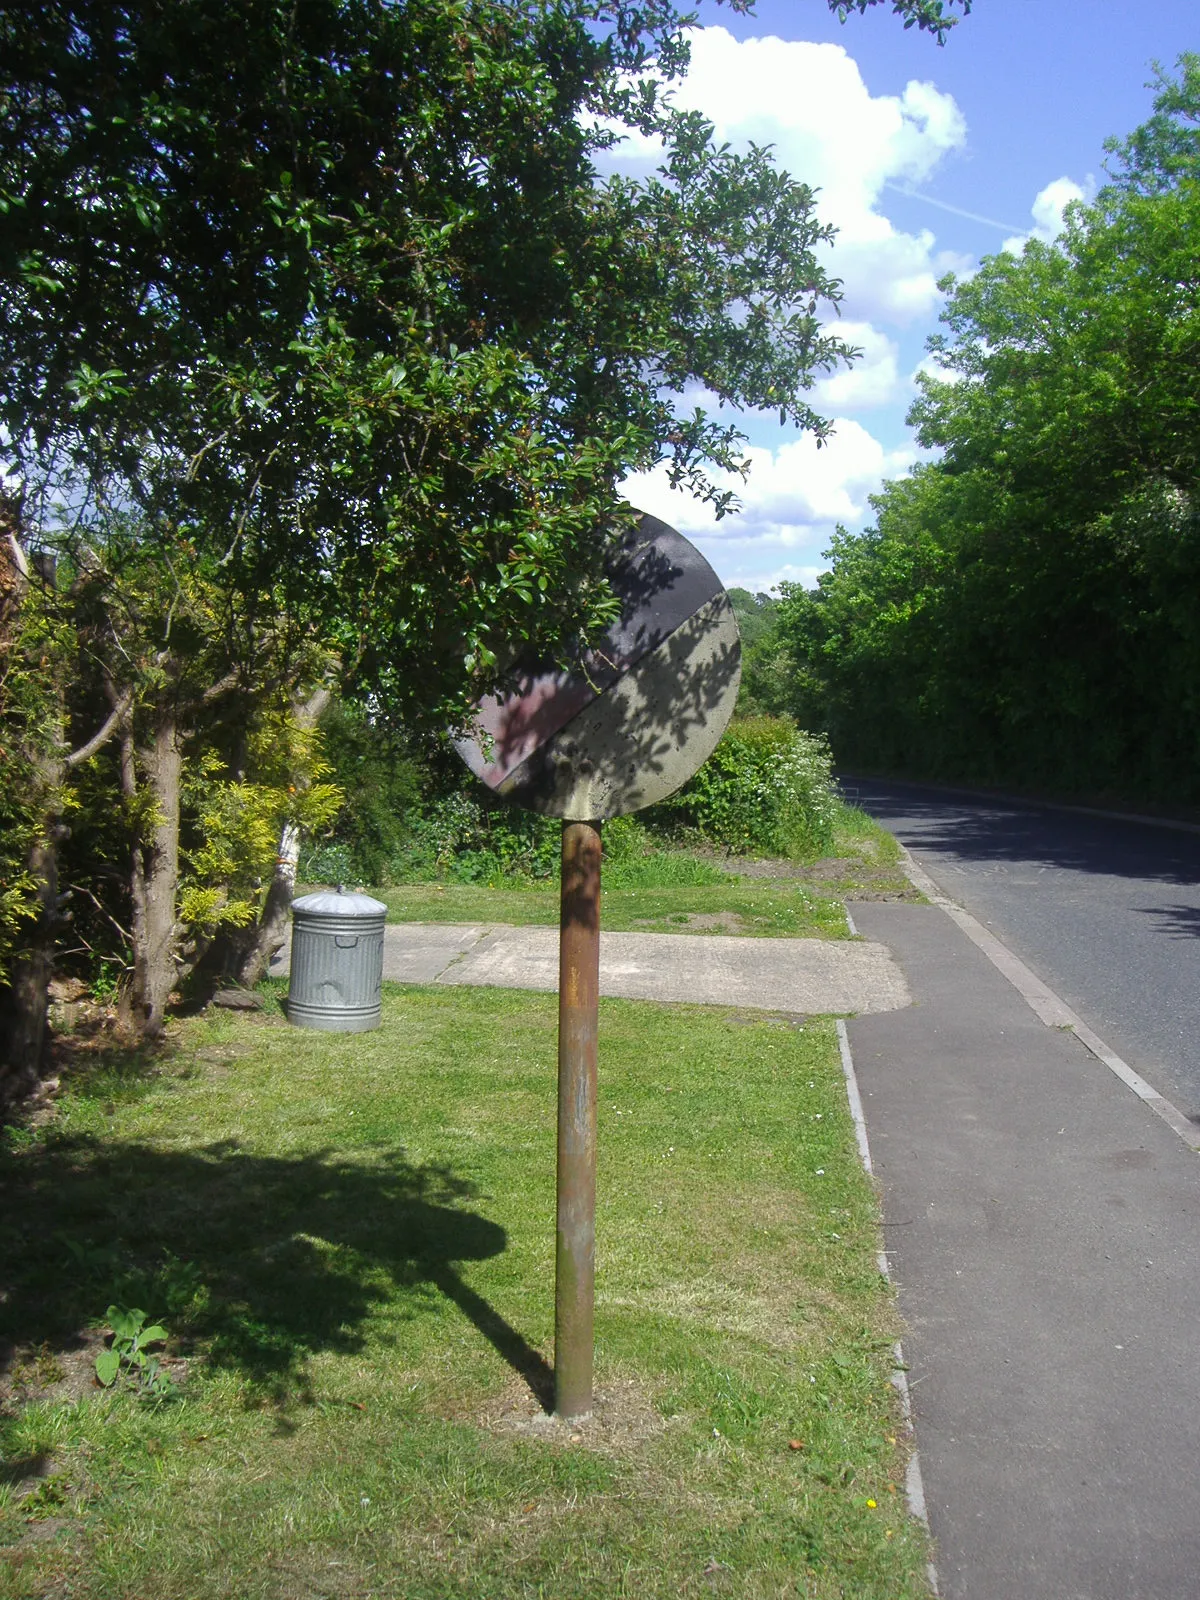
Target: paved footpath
point(1043, 1225)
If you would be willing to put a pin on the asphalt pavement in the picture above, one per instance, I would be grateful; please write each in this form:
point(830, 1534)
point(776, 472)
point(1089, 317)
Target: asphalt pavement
point(1042, 1227)
point(1105, 911)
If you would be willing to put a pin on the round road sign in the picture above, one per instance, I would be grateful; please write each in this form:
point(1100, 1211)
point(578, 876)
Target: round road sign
point(642, 710)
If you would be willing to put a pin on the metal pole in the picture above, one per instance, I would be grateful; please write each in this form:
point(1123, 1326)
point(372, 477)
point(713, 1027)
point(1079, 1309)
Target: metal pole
point(578, 997)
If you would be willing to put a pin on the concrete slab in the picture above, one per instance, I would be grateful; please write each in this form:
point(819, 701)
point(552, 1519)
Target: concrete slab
point(802, 975)
point(413, 952)
point(1042, 1225)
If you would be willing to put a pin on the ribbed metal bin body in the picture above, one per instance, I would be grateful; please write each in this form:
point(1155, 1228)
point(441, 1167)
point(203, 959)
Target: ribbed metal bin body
point(337, 962)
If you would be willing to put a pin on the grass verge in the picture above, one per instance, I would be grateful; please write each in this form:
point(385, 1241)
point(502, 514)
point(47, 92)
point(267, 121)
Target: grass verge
point(768, 908)
point(865, 863)
point(682, 891)
point(350, 1241)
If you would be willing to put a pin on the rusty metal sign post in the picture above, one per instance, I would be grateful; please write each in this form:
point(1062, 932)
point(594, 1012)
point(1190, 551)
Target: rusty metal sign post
point(624, 729)
point(578, 1036)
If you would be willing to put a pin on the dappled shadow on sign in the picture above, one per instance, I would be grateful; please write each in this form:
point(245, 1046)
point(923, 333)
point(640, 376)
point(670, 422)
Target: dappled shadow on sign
point(638, 713)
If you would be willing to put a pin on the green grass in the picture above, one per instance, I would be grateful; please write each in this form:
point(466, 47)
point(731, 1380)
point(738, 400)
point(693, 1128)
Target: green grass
point(681, 891)
point(865, 861)
point(770, 908)
point(350, 1238)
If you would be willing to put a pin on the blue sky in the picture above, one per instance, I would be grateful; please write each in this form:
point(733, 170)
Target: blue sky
point(928, 159)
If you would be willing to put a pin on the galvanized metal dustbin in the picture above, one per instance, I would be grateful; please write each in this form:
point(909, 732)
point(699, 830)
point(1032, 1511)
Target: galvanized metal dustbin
point(337, 962)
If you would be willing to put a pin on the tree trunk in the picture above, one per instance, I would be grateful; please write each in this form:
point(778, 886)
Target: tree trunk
point(154, 877)
point(24, 999)
point(272, 929)
point(24, 1003)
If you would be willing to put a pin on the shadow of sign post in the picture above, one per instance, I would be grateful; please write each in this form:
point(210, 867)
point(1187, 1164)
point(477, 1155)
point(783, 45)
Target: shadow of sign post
point(619, 730)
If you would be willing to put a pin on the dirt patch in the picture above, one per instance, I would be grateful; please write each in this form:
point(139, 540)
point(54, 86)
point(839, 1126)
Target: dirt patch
point(856, 895)
point(623, 1416)
point(795, 1020)
point(37, 1372)
point(744, 867)
point(695, 922)
point(851, 877)
point(77, 1021)
point(844, 877)
point(712, 921)
point(46, 1529)
point(218, 1053)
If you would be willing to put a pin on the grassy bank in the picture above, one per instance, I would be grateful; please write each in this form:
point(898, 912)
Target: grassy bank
point(778, 908)
point(690, 891)
point(349, 1240)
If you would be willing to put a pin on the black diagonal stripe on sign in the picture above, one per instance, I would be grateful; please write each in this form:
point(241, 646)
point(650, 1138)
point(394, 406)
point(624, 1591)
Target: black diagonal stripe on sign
point(686, 697)
point(661, 580)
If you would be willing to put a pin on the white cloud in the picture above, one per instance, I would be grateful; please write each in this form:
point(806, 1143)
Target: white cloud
point(933, 368)
point(791, 502)
point(810, 102)
point(750, 572)
point(873, 380)
point(1047, 212)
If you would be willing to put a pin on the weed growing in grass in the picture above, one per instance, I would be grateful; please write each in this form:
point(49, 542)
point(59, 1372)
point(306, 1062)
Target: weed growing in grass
point(128, 1354)
point(107, 976)
point(48, 1499)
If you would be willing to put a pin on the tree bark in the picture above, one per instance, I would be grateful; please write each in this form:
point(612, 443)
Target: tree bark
point(25, 1000)
point(154, 876)
point(271, 932)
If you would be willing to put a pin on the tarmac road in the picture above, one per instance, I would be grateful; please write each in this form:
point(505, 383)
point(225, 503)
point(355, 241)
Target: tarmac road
point(1106, 912)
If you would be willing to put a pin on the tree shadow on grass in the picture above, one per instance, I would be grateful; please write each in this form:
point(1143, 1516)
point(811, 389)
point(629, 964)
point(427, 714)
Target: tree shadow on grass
point(260, 1261)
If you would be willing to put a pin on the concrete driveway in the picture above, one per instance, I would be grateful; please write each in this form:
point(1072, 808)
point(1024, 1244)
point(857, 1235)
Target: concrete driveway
point(795, 975)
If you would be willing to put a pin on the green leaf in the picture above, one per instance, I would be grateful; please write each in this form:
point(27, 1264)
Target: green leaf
point(125, 1323)
point(108, 1365)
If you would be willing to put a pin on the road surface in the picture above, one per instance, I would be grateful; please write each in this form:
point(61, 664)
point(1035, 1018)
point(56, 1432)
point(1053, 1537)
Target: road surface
point(1106, 912)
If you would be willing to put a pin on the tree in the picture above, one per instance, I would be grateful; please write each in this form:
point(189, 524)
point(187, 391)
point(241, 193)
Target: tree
point(1022, 610)
point(38, 645)
point(336, 300)
point(342, 289)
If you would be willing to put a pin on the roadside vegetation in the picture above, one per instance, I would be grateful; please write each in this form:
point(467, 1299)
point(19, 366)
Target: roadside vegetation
point(650, 887)
point(1022, 613)
point(761, 832)
point(280, 425)
point(347, 1245)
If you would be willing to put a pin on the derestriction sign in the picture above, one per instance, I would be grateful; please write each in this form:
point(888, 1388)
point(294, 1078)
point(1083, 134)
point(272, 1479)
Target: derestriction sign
point(640, 712)
point(623, 728)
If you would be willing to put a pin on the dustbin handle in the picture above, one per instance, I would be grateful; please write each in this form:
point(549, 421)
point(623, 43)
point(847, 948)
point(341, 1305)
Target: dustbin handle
point(345, 941)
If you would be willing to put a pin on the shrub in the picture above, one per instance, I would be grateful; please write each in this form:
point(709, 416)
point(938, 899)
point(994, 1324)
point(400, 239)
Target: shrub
point(632, 860)
point(383, 779)
point(472, 839)
point(768, 786)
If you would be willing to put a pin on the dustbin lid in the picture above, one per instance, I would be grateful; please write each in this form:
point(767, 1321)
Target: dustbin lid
point(337, 903)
